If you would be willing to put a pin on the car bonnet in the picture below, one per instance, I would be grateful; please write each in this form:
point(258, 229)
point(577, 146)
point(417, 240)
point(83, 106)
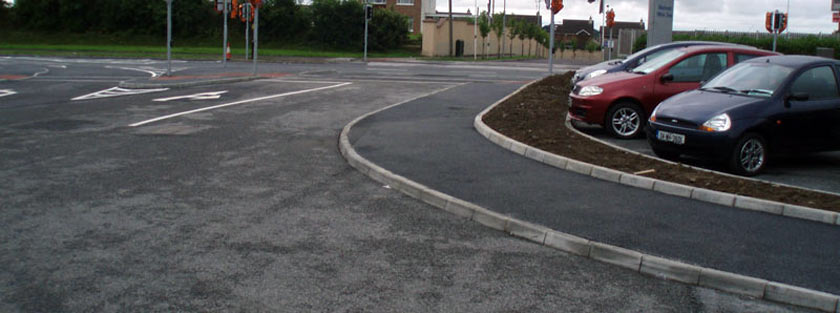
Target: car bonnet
point(698, 106)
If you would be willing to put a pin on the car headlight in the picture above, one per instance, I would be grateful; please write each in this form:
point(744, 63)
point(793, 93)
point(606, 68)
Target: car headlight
point(590, 91)
point(596, 74)
point(653, 114)
point(720, 123)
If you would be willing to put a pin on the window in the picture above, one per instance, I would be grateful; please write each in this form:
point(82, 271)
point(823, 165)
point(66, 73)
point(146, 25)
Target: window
point(818, 83)
point(743, 57)
point(410, 24)
point(699, 67)
point(405, 2)
point(378, 2)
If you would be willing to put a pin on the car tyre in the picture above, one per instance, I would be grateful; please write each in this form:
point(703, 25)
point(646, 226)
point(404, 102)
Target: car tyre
point(749, 157)
point(625, 120)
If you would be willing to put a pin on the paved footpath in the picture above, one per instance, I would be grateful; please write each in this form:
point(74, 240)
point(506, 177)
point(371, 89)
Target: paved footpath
point(432, 141)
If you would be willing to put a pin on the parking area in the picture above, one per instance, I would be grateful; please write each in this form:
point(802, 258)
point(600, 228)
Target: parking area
point(819, 171)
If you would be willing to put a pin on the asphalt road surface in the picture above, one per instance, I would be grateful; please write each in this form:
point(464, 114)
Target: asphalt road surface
point(248, 206)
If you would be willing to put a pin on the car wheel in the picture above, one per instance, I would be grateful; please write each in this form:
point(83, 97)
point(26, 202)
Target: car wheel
point(749, 156)
point(625, 120)
point(667, 155)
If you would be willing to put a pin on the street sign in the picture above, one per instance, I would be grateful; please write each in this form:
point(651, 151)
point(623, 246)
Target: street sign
point(835, 5)
point(835, 17)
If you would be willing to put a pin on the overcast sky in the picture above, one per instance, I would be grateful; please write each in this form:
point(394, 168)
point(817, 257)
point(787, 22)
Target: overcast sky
point(806, 16)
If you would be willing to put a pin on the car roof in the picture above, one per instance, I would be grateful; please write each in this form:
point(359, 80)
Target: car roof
point(794, 61)
point(735, 48)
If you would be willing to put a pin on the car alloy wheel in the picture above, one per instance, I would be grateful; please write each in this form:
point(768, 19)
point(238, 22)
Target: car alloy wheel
point(750, 155)
point(625, 120)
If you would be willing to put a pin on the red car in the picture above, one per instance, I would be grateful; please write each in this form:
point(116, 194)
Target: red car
point(622, 101)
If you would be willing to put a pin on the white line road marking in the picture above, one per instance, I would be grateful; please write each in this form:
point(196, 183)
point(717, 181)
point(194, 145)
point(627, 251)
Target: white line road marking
point(7, 92)
point(116, 92)
point(46, 70)
point(199, 96)
point(152, 71)
point(235, 103)
point(58, 66)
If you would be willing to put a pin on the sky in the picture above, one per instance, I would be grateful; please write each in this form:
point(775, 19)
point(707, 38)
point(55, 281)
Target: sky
point(805, 16)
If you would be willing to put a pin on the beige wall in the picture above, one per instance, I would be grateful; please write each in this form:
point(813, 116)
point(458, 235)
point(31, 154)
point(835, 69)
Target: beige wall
point(436, 40)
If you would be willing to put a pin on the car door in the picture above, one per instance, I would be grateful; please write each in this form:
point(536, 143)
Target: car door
point(810, 123)
point(688, 73)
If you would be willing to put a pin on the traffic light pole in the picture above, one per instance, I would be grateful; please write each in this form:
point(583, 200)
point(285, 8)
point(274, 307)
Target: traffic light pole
point(246, 7)
point(775, 24)
point(256, 36)
point(224, 34)
point(169, 37)
point(367, 7)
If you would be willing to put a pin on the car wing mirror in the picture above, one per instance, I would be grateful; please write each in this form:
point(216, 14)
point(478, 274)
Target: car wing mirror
point(796, 96)
point(668, 77)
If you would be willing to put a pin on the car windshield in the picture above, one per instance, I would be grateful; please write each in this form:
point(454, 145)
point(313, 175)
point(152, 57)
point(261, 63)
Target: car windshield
point(752, 79)
point(658, 62)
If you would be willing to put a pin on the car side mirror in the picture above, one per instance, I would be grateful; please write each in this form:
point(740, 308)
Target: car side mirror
point(797, 96)
point(667, 78)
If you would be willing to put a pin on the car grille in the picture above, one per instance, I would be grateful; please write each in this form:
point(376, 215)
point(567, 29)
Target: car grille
point(676, 122)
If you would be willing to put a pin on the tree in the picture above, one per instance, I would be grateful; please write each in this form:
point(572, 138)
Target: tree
point(513, 31)
point(484, 28)
point(523, 32)
point(531, 33)
point(497, 25)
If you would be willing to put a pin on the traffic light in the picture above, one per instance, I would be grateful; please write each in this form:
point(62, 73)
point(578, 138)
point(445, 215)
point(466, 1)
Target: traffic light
point(768, 21)
point(610, 18)
point(784, 18)
point(235, 11)
point(368, 12)
point(556, 6)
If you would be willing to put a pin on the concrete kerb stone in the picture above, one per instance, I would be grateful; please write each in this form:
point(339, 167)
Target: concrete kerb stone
point(671, 270)
point(637, 181)
point(761, 205)
point(206, 82)
point(567, 243)
point(800, 296)
point(490, 219)
point(526, 230)
point(535, 154)
point(579, 167)
point(556, 160)
point(518, 147)
point(673, 188)
point(607, 174)
point(810, 214)
point(435, 198)
point(615, 255)
point(733, 283)
point(712, 196)
point(461, 208)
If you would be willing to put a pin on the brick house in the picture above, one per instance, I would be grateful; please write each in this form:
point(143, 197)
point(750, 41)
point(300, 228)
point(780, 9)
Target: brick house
point(416, 10)
point(580, 32)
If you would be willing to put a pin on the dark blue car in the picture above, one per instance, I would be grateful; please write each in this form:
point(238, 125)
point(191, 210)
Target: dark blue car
point(761, 107)
point(634, 59)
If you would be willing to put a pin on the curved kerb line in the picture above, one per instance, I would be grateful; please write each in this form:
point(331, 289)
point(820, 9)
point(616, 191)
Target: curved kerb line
point(235, 103)
point(645, 264)
point(638, 181)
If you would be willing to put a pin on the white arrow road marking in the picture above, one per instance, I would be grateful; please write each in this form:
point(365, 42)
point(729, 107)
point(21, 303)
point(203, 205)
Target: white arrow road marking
point(199, 96)
point(116, 92)
point(7, 92)
point(58, 66)
point(235, 103)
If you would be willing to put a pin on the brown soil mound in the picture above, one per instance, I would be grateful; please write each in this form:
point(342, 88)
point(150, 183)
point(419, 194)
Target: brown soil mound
point(536, 116)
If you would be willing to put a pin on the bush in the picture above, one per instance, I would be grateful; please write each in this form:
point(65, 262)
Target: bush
point(803, 45)
point(387, 30)
point(338, 24)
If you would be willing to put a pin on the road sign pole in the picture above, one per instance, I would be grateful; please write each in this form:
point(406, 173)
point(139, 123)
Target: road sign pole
point(247, 27)
point(256, 36)
point(367, 7)
point(224, 33)
point(551, 45)
point(775, 30)
point(169, 37)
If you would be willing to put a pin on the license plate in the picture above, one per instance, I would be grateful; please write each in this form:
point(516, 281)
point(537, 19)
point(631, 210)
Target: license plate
point(670, 137)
